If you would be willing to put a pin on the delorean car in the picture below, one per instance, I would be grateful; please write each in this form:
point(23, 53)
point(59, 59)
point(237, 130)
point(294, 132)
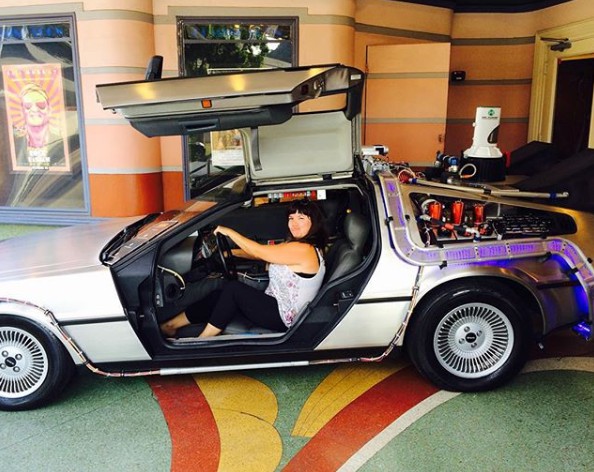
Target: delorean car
point(463, 278)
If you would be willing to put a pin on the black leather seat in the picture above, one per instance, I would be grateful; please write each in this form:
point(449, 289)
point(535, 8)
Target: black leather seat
point(347, 253)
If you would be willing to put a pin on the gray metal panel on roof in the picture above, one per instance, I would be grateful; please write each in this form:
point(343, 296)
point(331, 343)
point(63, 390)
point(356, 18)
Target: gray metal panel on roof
point(261, 83)
point(167, 107)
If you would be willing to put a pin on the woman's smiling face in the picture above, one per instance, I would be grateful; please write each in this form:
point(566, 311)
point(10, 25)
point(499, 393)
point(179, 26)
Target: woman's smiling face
point(299, 225)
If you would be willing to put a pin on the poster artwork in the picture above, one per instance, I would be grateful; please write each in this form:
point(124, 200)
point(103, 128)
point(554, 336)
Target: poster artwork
point(227, 149)
point(36, 117)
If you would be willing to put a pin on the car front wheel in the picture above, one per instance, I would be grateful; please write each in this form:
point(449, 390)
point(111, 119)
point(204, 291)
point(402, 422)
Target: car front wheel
point(469, 336)
point(34, 365)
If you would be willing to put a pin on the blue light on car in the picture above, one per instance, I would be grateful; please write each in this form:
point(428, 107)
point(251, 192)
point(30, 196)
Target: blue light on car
point(525, 247)
point(581, 297)
point(583, 329)
point(460, 254)
point(491, 250)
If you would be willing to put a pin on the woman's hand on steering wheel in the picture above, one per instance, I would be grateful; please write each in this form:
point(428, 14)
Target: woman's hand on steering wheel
point(225, 254)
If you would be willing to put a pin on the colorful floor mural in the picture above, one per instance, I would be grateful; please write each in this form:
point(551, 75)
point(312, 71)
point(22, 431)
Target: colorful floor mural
point(348, 417)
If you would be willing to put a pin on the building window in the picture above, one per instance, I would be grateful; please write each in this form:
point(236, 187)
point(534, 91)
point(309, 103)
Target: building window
point(40, 166)
point(215, 46)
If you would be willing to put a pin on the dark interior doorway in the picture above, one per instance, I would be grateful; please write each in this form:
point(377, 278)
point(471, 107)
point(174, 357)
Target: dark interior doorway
point(573, 106)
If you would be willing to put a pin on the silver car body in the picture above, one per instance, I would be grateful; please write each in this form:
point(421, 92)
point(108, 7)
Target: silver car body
point(521, 262)
point(85, 284)
point(56, 277)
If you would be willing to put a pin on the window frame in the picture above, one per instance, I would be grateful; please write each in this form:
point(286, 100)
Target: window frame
point(41, 214)
point(181, 21)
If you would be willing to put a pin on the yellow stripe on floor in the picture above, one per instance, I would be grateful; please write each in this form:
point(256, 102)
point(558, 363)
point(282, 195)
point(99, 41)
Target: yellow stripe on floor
point(244, 410)
point(337, 390)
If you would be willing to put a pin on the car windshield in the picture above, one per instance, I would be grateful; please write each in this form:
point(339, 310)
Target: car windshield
point(156, 225)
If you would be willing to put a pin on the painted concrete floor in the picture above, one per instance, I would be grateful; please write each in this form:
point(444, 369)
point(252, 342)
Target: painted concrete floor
point(367, 417)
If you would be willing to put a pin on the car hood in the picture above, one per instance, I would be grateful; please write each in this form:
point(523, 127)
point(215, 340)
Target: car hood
point(57, 250)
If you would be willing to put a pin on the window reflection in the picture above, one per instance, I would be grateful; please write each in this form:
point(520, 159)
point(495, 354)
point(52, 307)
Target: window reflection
point(40, 163)
point(225, 47)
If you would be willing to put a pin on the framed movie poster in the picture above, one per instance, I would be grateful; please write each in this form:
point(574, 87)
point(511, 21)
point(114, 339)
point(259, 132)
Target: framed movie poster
point(34, 97)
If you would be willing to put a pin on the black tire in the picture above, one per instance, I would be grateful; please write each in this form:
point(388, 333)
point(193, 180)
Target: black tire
point(469, 336)
point(34, 365)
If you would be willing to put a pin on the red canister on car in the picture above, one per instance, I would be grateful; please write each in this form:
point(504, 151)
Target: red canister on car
point(457, 212)
point(479, 213)
point(435, 210)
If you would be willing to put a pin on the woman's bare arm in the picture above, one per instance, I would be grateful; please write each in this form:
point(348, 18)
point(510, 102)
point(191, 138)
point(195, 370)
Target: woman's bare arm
point(301, 257)
point(243, 254)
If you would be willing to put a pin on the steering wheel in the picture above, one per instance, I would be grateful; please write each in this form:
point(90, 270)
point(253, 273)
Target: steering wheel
point(226, 257)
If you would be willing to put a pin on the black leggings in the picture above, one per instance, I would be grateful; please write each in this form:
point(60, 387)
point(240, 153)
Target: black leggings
point(220, 306)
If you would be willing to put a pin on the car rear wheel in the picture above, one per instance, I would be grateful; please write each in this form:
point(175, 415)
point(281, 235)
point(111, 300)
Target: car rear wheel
point(469, 336)
point(34, 365)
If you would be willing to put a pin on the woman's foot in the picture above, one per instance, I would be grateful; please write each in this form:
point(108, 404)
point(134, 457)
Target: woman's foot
point(209, 331)
point(170, 327)
point(168, 330)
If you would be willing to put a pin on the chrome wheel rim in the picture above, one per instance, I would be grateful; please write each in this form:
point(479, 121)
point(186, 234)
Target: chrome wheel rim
point(23, 363)
point(473, 340)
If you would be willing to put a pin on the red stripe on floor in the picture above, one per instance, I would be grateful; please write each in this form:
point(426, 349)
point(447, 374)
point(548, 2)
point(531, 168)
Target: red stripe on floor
point(194, 434)
point(360, 421)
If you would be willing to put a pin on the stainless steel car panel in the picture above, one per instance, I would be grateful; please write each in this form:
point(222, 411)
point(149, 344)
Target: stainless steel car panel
point(59, 271)
point(56, 251)
point(223, 92)
point(86, 303)
point(178, 90)
point(279, 152)
point(108, 342)
point(435, 277)
point(367, 325)
point(391, 277)
point(89, 294)
point(27, 310)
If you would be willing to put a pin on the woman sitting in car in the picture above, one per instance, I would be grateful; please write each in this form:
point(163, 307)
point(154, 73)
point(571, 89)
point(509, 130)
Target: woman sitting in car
point(296, 272)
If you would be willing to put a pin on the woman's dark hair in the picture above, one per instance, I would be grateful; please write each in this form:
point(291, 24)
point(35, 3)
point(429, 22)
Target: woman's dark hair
point(317, 233)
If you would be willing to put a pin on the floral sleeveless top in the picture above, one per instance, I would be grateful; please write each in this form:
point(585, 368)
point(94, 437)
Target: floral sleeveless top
point(293, 292)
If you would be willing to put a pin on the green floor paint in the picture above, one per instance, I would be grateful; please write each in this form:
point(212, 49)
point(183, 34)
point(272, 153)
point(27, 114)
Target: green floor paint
point(540, 422)
point(97, 425)
point(292, 388)
point(12, 231)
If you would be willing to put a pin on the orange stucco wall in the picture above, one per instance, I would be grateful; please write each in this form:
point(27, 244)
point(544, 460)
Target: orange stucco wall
point(497, 53)
point(131, 174)
point(110, 192)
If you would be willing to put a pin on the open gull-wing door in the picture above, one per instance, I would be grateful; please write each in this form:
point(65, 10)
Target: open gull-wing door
point(226, 101)
point(283, 143)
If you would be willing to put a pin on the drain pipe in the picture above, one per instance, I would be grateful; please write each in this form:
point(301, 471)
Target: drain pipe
point(487, 191)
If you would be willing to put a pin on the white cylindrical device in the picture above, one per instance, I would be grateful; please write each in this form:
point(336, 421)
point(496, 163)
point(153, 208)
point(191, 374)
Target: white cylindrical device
point(484, 153)
point(486, 130)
